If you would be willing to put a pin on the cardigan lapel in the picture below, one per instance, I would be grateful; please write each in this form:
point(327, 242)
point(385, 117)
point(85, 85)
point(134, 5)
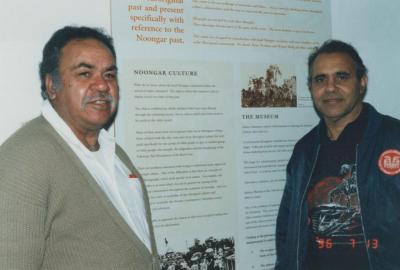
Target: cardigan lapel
point(125, 159)
point(107, 204)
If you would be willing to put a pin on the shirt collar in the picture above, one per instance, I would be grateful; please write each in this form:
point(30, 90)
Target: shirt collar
point(352, 133)
point(106, 140)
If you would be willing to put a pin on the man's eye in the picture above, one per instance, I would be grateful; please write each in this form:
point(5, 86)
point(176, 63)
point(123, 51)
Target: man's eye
point(84, 74)
point(342, 76)
point(110, 76)
point(319, 79)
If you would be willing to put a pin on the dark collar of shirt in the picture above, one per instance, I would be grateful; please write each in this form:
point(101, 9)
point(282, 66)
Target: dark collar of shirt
point(351, 134)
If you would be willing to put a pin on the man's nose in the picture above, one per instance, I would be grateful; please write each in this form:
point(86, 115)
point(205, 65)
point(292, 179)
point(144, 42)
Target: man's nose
point(100, 83)
point(331, 83)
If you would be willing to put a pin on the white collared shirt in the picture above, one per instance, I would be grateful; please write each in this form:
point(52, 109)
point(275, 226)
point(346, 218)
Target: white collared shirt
point(110, 173)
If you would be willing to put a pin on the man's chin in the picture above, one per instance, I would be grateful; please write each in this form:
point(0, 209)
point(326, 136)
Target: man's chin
point(99, 123)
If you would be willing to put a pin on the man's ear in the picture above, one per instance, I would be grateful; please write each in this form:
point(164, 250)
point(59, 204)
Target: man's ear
point(363, 84)
point(50, 87)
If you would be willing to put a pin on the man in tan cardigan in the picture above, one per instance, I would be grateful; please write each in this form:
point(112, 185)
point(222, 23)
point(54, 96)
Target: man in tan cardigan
point(69, 196)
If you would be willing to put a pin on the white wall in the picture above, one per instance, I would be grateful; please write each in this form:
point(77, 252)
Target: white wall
point(25, 26)
point(373, 27)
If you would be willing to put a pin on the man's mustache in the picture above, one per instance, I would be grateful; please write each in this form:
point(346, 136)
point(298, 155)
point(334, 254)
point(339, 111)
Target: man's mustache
point(100, 96)
point(331, 95)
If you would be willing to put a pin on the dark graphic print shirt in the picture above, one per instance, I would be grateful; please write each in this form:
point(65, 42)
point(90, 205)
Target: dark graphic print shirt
point(334, 208)
point(336, 238)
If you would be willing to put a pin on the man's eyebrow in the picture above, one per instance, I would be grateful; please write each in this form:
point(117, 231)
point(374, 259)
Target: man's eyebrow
point(90, 66)
point(112, 68)
point(319, 75)
point(342, 72)
point(83, 64)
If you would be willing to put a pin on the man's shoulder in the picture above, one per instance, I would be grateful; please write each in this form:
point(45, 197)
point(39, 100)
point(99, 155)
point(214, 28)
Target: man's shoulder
point(381, 122)
point(34, 135)
point(25, 158)
point(389, 131)
point(391, 124)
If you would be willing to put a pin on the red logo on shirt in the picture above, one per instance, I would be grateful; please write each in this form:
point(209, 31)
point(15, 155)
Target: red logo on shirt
point(132, 176)
point(389, 162)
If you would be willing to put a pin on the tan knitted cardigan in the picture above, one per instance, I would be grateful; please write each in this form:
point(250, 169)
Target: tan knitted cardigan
point(53, 215)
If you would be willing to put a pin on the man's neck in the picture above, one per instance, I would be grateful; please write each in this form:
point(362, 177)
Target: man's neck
point(333, 131)
point(335, 127)
point(89, 139)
